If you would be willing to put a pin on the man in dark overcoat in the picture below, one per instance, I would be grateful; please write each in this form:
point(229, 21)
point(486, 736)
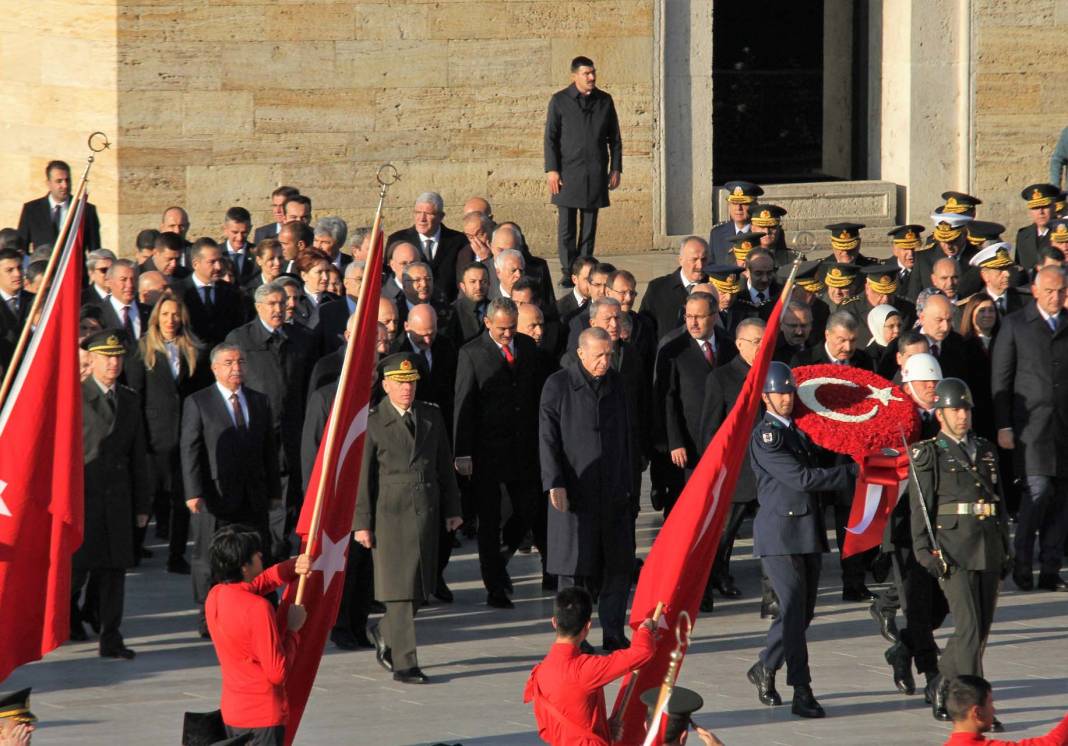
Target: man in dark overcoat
point(583, 158)
point(407, 487)
point(585, 453)
point(116, 491)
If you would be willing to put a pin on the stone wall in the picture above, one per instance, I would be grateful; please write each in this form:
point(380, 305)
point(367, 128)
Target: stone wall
point(57, 85)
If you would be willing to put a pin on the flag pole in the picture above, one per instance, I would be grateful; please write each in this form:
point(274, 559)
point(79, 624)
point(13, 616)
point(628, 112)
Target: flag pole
point(96, 146)
point(616, 721)
point(386, 176)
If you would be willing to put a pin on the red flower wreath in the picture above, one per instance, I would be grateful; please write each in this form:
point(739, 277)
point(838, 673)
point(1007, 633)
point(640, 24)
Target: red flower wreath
point(852, 411)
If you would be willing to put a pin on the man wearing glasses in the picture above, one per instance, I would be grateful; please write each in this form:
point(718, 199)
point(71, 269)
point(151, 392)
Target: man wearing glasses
point(440, 244)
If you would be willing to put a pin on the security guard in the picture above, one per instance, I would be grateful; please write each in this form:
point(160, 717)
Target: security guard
point(789, 537)
point(407, 484)
point(962, 537)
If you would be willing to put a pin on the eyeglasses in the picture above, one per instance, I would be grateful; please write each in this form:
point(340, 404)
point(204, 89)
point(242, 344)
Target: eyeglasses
point(696, 317)
point(751, 341)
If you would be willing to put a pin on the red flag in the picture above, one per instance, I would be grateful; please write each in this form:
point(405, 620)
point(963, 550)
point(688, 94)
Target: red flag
point(882, 479)
point(343, 455)
point(41, 463)
point(677, 568)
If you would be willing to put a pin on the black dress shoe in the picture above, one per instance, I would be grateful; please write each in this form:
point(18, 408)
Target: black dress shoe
point(586, 648)
point(442, 592)
point(121, 652)
point(202, 629)
point(382, 654)
point(410, 676)
point(377, 607)
point(897, 655)
point(1024, 580)
point(997, 726)
point(769, 610)
point(77, 633)
point(1051, 582)
point(612, 644)
point(938, 699)
point(764, 681)
point(499, 600)
point(887, 625)
point(178, 566)
point(345, 640)
point(727, 588)
point(805, 704)
point(708, 604)
point(857, 594)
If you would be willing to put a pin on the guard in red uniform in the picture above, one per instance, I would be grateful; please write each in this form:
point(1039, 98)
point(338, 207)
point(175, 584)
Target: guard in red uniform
point(567, 687)
point(970, 703)
point(255, 649)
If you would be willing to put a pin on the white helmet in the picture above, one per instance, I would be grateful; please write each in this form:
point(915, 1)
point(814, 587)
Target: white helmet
point(921, 367)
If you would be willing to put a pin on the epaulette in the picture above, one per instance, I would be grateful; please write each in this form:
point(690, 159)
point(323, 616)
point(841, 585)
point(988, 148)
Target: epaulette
point(850, 299)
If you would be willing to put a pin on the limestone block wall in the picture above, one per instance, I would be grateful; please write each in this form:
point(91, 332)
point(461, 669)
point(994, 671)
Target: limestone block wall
point(219, 102)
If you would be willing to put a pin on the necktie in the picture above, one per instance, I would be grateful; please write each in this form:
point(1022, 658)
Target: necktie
point(55, 217)
point(409, 422)
point(1000, 303)
point(507, 352)
point(1052, 323)
point(127, 322)
point(239, 414)
point(429, 247)
point(760, 298)
point(426, 356)
point(904, 275)
point(935, 349)
point(706, 347)
point(109, 397)
point(13, 304)
point(207, 296)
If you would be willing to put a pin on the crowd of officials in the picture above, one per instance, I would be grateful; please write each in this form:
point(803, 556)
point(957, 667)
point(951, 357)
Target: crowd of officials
point(520, 409)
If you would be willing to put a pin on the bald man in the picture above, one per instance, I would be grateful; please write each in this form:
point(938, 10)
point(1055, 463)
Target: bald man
point(387, 315)
point(150, 285)
point(936, 323)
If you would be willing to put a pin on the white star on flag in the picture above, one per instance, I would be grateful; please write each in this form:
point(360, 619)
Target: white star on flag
point(884, 396)
point(3, 505)
point(331, 559)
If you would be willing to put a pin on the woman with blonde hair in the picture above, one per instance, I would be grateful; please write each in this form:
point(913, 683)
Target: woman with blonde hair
point(168, 365)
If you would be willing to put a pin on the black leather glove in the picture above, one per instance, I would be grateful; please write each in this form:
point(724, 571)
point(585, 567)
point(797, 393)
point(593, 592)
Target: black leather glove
point(1007, 566)
point(932, 565)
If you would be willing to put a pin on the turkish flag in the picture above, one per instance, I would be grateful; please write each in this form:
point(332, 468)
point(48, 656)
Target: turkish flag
point(336, 473)
point(882, 479)
point(41, 463)
point(677, 568)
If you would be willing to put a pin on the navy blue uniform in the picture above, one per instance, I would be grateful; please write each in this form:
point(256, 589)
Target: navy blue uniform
point(789, 535)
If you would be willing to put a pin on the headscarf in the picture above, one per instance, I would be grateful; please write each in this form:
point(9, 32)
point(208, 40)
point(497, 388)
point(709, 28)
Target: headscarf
point(877, 320)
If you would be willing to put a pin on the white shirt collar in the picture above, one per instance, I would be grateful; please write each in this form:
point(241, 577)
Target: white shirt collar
point(686, 282)
point(227, 393)
point(781, 419)
point(198, 284)
point(579, 299)
point(744, 229)
point(753, 294)
point(53, 204)
point(1045, 316)
point(4, 296)
point(436, 238)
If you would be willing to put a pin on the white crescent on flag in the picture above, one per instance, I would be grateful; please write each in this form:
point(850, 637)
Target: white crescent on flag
point(356, 429)
point(808, 392)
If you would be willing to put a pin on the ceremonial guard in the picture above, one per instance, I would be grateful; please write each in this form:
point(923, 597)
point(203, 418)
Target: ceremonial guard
point(961, 536)
point(116, 492)
point(407, 487)
point(789, 536)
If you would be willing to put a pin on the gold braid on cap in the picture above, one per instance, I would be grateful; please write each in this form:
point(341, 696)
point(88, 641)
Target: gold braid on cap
point(742, 249)
point(812, 285)
point(952, 205)
point(911, 240)
point(729, 286)
point(1037, 200)
point(1060, 235)
point(946, 232)
point(738, 197)
point(883, 284)
point(764, 219)
point(976, 240)
point(844, 241)
point(836, 278)
point(1000, 260)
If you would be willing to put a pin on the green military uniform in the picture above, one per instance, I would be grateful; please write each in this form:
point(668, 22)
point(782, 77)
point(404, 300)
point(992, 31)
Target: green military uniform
point(960, 486)
point(407, 489)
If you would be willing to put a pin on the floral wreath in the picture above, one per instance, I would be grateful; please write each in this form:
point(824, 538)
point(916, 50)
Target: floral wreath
point(851, 410)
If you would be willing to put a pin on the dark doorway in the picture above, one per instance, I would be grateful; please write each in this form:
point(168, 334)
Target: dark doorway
point(768, 92)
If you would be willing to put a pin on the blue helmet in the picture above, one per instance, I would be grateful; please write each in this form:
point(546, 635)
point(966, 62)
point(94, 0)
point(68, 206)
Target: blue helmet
point(780, 379)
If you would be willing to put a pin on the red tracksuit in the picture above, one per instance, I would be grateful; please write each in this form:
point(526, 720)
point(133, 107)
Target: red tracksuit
point(1056, 737)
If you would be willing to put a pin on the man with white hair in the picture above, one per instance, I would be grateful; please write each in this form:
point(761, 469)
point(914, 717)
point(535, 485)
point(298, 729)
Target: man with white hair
point(936, 323)
point(509, 265)
point(439, 244)
point(330, 235)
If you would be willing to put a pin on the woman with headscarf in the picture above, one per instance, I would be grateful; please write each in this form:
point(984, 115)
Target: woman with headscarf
point(884, 323)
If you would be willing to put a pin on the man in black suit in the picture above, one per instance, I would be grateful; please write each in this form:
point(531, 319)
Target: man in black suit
point(296, 238)
point(1031, 413)
point(97, 264)
point(236, 226)
point(576, 299)
point(15, 303)
point(469, 308)
point(278, 359)
point(666, 296)
point(439, 244)
point(722, 388)
point(740, 198)
point(330, 234)
point(215, 307)
point(398, 256)
point(167, 255)
point(623, 286)
point(508, 236)
point(278, 201)
point(1040, 200)
point(688, 360)
point(229, 462)
point(297, 209)
point(176, 220)
point(116, 492)
point(498, 384)
point(936, 323)
point(42, 219)
point(334, 314)
point(436, 357)
point(508, 266)
point(122, 310)
point(419, 286)
point(526, 291)
point(583, 158)
point(478, 230)
point(795, 331)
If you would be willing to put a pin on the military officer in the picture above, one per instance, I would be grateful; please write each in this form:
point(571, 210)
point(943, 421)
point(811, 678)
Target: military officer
point(880, 287)
point(768, 218)
point(905, 241)
point(960, 203)
point(789, 537)
point(407, 484)
point(740, 198)
point(739, 246)
point(116, 492)
point(838, 280)
point(1041, 200)
point(17, 723)
point(732, 308)
point(845, 246)
point(961, 536)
